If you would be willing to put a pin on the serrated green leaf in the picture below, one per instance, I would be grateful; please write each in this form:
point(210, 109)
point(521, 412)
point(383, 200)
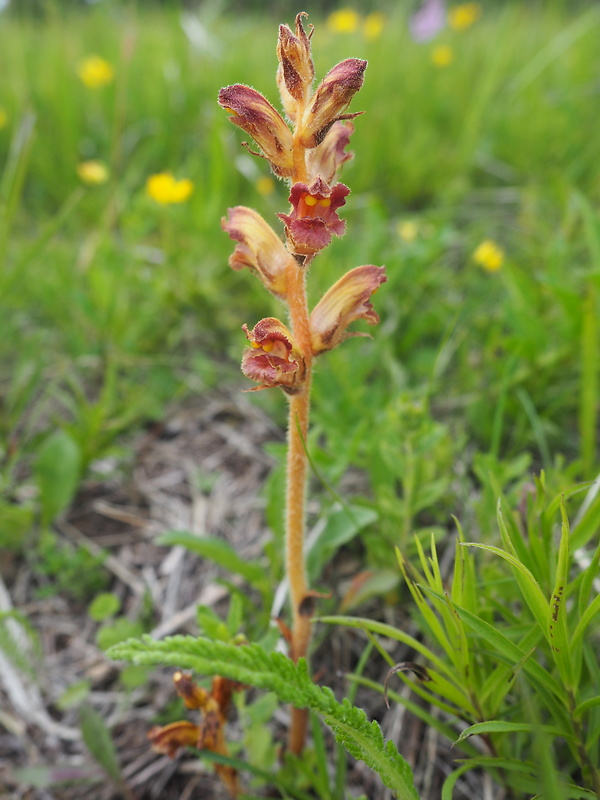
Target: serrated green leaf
point(98, 741)
point(292, 683)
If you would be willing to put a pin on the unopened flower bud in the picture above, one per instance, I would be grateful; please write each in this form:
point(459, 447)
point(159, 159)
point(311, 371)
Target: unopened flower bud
point(331, 99)
point(296, 70)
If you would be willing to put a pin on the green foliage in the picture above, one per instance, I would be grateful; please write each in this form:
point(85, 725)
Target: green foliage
point(99, 742)
point(12, 645)
point(252, 665)
point(57, 471)
point(104, 605)
point(517, 653)
point(72, 570)
point(472, 381)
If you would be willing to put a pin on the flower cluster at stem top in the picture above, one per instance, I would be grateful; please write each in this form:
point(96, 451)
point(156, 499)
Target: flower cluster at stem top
point(308, 150)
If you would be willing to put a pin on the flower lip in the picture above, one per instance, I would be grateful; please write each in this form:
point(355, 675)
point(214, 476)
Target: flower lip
point(313, 219)
point(272, 358)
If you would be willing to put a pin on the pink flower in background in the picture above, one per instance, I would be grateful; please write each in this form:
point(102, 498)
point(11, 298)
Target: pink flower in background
point(428, 21)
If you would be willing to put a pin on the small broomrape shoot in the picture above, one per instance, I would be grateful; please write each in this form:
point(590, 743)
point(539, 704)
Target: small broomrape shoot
point(308, 151)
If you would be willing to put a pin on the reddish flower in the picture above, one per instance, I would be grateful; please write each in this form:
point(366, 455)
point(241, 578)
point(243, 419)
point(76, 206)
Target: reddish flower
point(326, 160)
point(259, 248)
point(313, 219)
point(253, 113)
point(273, 358)
point(346, 301)
point(330, 100)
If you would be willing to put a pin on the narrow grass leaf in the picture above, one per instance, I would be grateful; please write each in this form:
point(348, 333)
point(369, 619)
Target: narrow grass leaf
point(382, 629)
point(529, 587)
point(218, 551)
point(501, 726)
point(558, 633)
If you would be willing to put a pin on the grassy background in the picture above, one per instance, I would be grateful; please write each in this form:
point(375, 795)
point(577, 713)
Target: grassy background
point(103, 288)
point(114, 307)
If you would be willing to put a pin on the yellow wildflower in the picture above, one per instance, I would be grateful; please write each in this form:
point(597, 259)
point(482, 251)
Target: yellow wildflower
point(265, 185)
point(345, 20)
point(463, 16)
point(408, 230)
point(489, 256)
point(95, 72)
point(374, 25)
point(442, 55)
point(3, 118)
point(93, 173)
point(164, 189)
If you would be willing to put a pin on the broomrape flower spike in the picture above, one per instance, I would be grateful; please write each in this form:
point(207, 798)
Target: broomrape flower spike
point(307, 148)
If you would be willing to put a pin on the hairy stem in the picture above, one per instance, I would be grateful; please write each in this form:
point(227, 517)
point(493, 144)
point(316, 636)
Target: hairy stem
point(297, 467)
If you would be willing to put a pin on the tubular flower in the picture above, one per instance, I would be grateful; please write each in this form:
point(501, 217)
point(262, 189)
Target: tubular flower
point(313, 219)
point(326, 160)
point(253, 113)
point(346, 301)
point(273, 358)
point(296, 70)
point(331, 98)
point(258, 248)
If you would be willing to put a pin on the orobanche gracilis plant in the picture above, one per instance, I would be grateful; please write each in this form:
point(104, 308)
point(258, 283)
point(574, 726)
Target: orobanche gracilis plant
point(309, 156)
point(308, 153)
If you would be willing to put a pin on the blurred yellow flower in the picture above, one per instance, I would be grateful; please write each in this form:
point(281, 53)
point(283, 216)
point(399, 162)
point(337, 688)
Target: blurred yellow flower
point(3, 118)
point(463, 16)
point(164, 189)
point(345, 20)
point(95, 72)
point(489, 256)
point(265, 185)
point(93, 173)
point(442, 55)
point(408, 230)
point(374, 25)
